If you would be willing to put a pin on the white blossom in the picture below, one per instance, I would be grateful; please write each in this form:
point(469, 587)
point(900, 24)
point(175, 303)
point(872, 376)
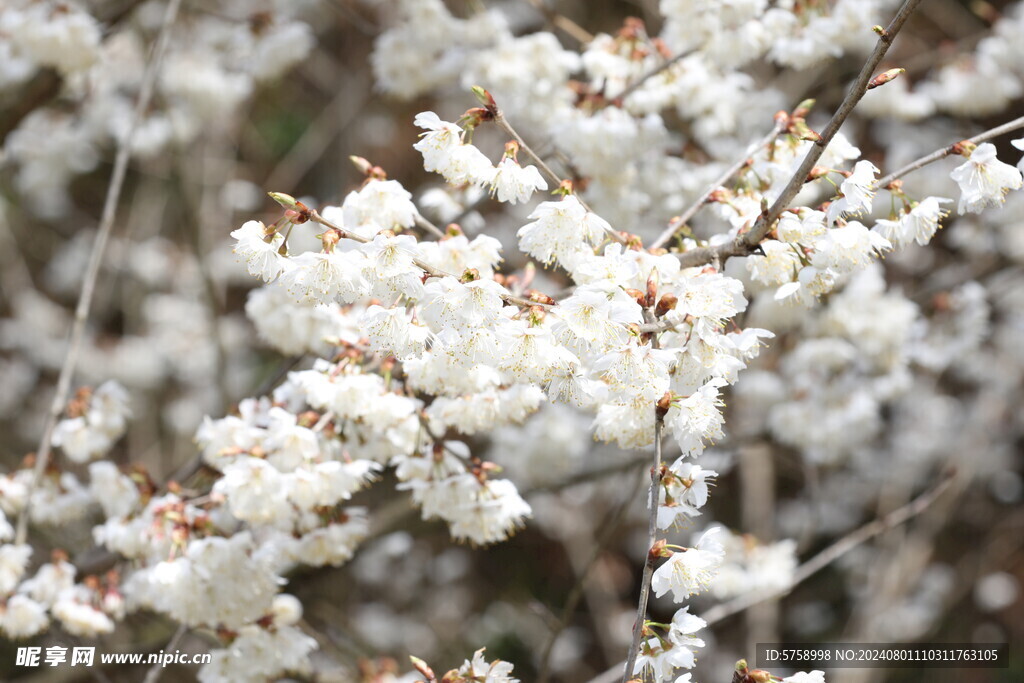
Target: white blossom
point(13, 563)
point(917, 225)
point(22, 617)
point(984, 180)
point(690, 571)
point(479, 669)
point(80, 619)
point(857, 192)
point(261, 250)
point(515, 184)
point(561, 231)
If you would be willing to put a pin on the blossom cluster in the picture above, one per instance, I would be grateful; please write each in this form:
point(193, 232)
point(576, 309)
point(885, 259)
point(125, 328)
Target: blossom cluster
point(418, 349)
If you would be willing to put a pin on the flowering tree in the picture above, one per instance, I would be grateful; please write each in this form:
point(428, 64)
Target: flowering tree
point(696, 229)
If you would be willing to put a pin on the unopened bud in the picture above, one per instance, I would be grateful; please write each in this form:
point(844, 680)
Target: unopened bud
point(361, 164)
point(877, 28)
point(659, 549)
point(483, 97)
point(299, 215)
point(469, 275)
point(474, 117)
point(329, 239)
point(540, 297)
point(799, 128)
point(963, 148)
point(453, 230)
point(512, 149)
point(664, 403)
point(884, 77)
point(665, 304)
point(639, 296)
point(652, 289)
point(817, 172)
point(804, 108)
point(285, 200)
point(422, 667)
point(720, 195)
point(308, 419)
point(537, 315)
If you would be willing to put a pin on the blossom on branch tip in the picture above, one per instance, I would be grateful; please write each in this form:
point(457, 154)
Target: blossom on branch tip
point(984, 180)
point(445, 152)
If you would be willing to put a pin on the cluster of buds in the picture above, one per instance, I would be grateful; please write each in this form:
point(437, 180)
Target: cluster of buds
point(182, 529)
point(371, 171)
point(106, 592)
point(795, 123)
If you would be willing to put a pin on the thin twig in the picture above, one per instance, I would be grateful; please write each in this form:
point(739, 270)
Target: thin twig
point(833, 552)
point(692, 210)
point(652, 530)
point(938, 154)
point(499, 118)
point(746, 243)
point(429, 227)
point(570, 27)
point(823, 559)
point(157, 670)
point(106, 226)
point(608, 526)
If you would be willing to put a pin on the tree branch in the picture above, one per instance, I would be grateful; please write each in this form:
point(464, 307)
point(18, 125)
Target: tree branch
point(106, 226)
point(608, 526)
point(157, 670)
point(652, 530)
point(817, 563)
point(746, 243)
point(499, 118)
point(426, 225)
point(938, 154)
point(833, 552)
point(560, 21)
point(692, 210)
